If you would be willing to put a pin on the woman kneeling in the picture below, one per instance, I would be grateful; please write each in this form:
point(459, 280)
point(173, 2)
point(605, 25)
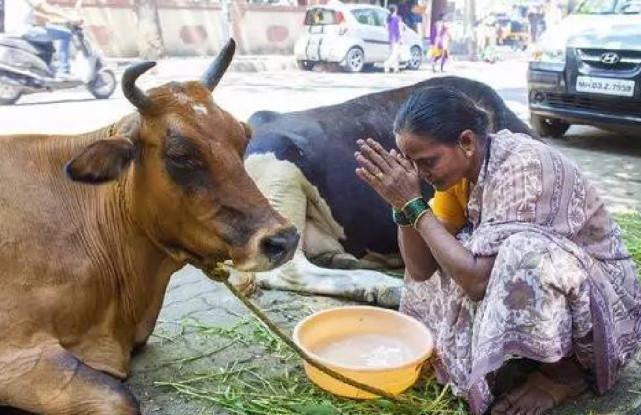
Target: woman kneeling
point(515, 264)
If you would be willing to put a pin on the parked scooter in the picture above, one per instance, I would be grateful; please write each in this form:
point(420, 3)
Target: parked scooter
point(26, 66)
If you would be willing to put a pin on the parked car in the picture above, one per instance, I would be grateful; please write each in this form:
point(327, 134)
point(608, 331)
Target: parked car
point(354, 36)
point(588, 70)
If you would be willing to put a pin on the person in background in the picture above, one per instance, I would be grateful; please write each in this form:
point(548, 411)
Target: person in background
point(38, 21)
point(405, 13)
point(439, 50)
point(394, 38)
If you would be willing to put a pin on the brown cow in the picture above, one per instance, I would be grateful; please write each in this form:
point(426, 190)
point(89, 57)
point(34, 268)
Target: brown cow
point(85, 262)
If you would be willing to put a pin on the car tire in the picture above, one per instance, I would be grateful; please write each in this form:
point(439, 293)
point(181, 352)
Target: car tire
point(9, 94)
point(354, 60)
point(305, 65)
point(368, 67)
point(416, 58)
point(548, 127)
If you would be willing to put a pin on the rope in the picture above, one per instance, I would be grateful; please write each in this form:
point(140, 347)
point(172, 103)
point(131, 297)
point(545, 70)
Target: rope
point(222, 275)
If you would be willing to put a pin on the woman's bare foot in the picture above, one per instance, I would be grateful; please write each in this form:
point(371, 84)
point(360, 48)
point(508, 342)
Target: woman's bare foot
point(543, 390)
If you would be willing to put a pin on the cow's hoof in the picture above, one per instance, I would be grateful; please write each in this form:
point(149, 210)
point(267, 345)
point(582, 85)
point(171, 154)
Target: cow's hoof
point(336, 261)
point(389, 297)
point(245, 282)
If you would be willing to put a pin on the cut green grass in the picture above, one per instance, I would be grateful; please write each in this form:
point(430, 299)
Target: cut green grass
point(275, 383)
point(631, 226)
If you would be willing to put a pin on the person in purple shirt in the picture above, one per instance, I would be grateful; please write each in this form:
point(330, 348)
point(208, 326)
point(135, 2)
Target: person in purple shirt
point(394, 37)
point(440, 44)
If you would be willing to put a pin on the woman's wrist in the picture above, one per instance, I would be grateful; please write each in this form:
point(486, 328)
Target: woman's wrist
point(400, 219)
point(414, 209)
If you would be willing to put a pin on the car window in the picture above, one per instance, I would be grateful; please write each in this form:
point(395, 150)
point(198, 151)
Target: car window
point(368, 17)
point(596, 7)
point(320, 16)
point(382, 16)
point(609, 7)
point(629, 7)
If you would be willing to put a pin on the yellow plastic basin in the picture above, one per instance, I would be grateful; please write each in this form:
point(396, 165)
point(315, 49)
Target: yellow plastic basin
point(379, 347)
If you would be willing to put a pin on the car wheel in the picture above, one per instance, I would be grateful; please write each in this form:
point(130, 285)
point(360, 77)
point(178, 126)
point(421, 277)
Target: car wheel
point(305, 65)
point(549, 127)
point(416, 58)
point(9, 94)
point(355, 60)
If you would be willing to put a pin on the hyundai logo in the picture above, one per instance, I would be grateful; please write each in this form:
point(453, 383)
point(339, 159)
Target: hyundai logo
point(610, 58)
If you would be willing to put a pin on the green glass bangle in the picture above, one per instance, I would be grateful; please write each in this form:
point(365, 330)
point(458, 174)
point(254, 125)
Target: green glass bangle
point(400, 219)
point(420, 215)
point(414, 209)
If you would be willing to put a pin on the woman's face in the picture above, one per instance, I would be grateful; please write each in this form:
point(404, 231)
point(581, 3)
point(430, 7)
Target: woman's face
point(441, 165)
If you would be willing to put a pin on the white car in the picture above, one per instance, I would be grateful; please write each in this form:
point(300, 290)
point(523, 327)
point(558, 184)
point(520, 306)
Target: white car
point(354, 36)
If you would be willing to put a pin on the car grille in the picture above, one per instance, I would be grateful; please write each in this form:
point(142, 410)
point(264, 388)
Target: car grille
point(606, 105)
point(627, 60)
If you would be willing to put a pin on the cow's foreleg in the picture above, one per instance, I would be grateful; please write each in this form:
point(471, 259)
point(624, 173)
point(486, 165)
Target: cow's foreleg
point(302, 276)
point(46, 379)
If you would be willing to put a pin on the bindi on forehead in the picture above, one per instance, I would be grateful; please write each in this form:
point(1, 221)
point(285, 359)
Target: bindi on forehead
point(200, 109)
point(197, 107)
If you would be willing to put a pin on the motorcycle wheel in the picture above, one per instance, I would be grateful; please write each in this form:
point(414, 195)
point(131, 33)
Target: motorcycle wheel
point(9, 94)
point(103, 85)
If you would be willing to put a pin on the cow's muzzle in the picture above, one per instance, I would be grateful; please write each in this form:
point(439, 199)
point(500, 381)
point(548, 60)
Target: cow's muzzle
point(280, 247)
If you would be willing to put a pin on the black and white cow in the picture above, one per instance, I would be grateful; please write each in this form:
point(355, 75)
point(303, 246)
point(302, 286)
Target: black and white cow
point(304, 164)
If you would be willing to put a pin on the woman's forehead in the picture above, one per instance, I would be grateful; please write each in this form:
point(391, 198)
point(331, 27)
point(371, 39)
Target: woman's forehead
point(414, 144)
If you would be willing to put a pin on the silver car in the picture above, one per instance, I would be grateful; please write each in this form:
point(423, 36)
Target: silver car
point(354, 36)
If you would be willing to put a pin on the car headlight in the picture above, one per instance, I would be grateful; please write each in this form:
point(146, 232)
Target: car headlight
point(547, 54)
point(548, 50)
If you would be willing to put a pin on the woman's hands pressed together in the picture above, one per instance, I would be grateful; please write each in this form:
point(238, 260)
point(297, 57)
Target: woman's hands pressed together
point(390, 174)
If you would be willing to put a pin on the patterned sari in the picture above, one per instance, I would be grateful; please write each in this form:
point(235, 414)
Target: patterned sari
point(562, 283)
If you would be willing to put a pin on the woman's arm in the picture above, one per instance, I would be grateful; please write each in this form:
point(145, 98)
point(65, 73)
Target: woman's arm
point(418, 259)
point(470, 272)
point(396, 180)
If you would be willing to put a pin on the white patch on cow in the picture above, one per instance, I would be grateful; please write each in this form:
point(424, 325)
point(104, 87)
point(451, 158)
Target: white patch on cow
point(200, 109)
point(294, 197)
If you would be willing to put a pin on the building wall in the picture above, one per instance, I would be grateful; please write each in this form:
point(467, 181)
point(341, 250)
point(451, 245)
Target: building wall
point(193, 28)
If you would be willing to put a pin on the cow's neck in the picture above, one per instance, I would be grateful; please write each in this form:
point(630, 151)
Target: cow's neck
point(142, 269)
point(131, 267)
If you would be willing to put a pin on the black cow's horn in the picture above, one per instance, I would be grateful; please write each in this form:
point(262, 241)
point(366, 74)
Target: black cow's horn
point(212, 75)
point(129, 88)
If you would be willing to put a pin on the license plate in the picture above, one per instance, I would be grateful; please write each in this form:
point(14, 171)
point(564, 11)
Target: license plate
point(606, 86)
point(316, 29)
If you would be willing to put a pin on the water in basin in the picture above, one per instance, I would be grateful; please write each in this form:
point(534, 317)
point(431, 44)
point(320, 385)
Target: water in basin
point(366, 350)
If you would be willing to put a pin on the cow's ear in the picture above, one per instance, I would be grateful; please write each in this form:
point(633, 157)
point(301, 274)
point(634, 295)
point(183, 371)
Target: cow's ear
point(248, 130)
point(102, 161)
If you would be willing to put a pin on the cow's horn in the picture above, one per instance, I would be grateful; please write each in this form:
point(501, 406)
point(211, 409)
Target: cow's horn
point(129, 88)
point(212, 75)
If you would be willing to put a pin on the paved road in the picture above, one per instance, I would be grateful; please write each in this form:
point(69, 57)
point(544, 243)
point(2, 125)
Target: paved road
point(612, 160)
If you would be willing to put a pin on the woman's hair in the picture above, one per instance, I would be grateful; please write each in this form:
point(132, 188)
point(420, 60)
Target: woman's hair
point(392, 8)
point(442, 114)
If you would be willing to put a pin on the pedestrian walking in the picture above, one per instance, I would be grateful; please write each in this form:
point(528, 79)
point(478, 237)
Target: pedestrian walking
point(439, 49)
point(394, 37)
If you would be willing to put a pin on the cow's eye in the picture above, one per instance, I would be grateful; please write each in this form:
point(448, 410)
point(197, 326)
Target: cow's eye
point(178, 155)
point(180, 152)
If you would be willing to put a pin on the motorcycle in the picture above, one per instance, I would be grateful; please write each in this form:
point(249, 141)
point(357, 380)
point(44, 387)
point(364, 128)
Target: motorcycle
point(27, 66)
